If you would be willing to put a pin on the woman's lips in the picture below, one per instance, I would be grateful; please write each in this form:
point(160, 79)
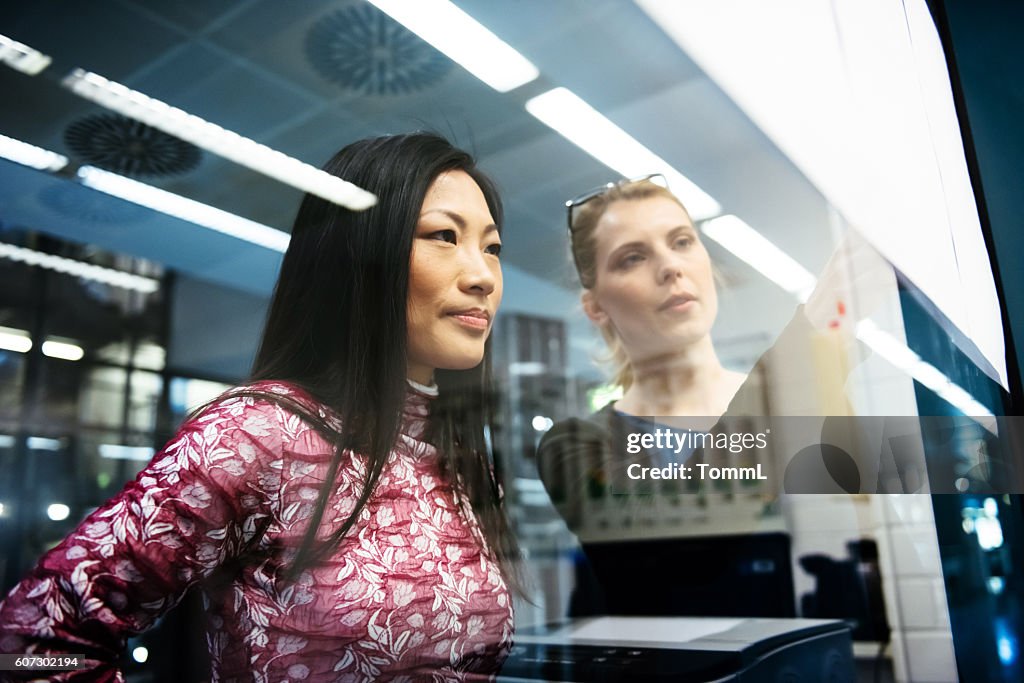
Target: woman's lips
point(474, 319)
point(678, 304)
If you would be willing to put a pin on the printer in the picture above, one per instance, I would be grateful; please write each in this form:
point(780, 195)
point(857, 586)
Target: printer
point(690, 649)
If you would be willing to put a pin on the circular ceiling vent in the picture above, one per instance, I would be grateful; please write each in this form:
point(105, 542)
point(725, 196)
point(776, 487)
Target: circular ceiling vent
point(123, 145)
point(363, 50)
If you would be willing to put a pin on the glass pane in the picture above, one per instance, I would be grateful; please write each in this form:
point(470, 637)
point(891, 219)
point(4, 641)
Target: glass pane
point(150, 356)
point(12, 366)
point(187, 394)
point(103, 396)
point(145, 396)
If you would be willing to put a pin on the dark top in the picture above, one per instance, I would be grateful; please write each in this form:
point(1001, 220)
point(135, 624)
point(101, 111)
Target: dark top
point(583, 463)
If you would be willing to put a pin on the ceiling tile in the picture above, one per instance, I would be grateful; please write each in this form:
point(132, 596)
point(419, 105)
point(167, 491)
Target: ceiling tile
point(105, 37)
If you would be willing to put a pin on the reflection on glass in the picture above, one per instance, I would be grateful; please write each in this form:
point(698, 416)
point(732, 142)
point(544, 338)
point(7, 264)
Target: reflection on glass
point(103, 397)
point(186, 394)
point(145, 390)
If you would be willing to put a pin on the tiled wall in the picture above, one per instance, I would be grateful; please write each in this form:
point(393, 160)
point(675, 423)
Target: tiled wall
point(915, 597)
point(922, 644)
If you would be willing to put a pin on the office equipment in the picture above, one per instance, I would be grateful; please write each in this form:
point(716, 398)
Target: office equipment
point(692, 649)
point(738, 575)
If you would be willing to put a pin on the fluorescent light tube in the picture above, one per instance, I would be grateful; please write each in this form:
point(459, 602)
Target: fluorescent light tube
point(766, 258)
point(30, 155)
point(527, 368)
point(21, 57)
point(14, 340)
point(119, 452)
point(41, 443)
point(62, 350)
point(579, 123)
point(464, 40)
point(217, 140)
point(903, 358)
point(886, 345)
point(184, 208)
point(108, 276)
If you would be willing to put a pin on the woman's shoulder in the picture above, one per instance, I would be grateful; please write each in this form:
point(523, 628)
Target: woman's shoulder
point(265, 410)
point(269, 396)
point(271, 388)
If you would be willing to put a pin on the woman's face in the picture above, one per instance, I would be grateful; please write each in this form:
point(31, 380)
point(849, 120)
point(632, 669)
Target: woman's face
point(454, 278)
point(654, 282)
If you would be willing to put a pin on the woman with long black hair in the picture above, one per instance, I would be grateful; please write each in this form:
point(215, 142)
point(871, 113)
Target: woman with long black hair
point(340, 511)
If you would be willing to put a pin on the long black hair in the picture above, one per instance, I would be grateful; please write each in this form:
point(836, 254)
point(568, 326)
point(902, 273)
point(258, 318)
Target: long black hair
point(336, 328)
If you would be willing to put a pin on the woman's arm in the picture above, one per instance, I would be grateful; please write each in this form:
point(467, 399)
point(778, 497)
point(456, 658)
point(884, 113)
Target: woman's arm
point(197, 504)
point(570, 462)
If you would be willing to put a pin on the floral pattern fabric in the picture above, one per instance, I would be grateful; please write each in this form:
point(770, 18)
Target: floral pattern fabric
point(412, 592)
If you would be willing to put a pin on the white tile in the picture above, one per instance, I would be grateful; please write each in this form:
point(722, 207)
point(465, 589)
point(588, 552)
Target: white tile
point(899, 658)
point(907, 508)
point(930, 657)
point(922, 604)
point(844, 515)
point(915, 551)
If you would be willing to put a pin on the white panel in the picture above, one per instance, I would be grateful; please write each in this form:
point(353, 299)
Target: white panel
point(855, 92)
point(915, 551)
point(922, 603)
point(930, 657)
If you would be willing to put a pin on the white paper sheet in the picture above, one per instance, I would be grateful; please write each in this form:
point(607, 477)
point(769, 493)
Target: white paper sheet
point(651, 629)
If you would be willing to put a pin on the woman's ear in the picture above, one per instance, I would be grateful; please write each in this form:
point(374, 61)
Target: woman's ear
point(593, 309)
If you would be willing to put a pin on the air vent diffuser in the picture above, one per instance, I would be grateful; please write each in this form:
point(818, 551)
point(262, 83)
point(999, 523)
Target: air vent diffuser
point(122, 145)
point(363, 50)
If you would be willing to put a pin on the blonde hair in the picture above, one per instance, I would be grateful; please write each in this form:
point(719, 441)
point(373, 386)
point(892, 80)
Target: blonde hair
point(585, 218)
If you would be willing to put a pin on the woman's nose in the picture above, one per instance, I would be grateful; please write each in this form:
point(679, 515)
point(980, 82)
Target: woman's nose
point(477, 275)
point(670, 268)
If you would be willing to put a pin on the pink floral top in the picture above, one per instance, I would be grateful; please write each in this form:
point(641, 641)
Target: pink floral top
point(411, 593)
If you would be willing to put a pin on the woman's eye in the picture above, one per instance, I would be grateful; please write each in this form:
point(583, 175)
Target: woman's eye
point(684, 242)
point(444, 236)
point(630, 260)
point(494, 249)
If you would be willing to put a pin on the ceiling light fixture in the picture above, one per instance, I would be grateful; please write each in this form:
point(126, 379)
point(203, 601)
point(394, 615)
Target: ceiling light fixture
point(219, 141)
point(42, 443)
point(184, 208)
point(108, 276)
point(21, 57)
point(119, 452)
point(761, 254)
point(62, 350)
point(464, 40)
point(579, 123)
point(14, 340)
point(30, 155)
point(902, 357)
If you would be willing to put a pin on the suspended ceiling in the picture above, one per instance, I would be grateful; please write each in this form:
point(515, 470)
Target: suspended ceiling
point(256, 67)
